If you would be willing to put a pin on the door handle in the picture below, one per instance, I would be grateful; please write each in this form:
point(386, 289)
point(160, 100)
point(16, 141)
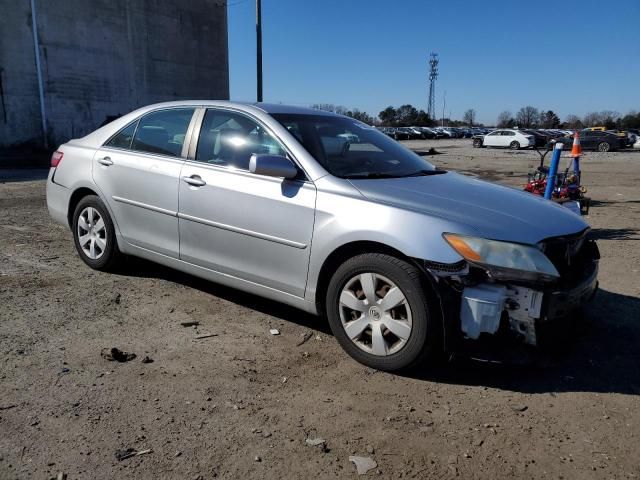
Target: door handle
point(106, 161)
point(194, 180)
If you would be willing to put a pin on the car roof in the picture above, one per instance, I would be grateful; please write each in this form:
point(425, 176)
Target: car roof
point(99, 136)
point(265, 107)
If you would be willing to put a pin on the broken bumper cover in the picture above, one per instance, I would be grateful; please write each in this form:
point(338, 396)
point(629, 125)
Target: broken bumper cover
point(477, 302)
point(560, 303)
point(521, 311)
point(557, 308)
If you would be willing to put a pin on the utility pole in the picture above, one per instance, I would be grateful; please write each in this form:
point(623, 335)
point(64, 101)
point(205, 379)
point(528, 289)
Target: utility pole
point(259, 49)
point(36, 48)
point(444, 104)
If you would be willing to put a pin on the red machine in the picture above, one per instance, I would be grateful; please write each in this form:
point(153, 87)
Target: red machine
point(567, 186)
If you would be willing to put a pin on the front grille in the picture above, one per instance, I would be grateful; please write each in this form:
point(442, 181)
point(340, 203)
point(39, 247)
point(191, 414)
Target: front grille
point(573, 256)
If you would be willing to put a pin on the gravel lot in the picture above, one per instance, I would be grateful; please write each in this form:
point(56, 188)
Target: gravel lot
point(242, 403)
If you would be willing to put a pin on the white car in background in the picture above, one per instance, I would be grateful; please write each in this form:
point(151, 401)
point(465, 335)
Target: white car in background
point(508, 138)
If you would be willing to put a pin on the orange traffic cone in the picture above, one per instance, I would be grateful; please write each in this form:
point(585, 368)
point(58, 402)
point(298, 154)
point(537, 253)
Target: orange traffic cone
point(576, 150)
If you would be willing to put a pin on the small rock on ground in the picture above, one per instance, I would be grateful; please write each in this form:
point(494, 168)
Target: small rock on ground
point(363, 464)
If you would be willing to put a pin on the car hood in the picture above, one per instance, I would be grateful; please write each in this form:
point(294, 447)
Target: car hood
point(493, 211)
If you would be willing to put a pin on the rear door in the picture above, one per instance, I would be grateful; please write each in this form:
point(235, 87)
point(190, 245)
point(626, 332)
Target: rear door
point(507, 137)
point(249, 226)
point(138, 171)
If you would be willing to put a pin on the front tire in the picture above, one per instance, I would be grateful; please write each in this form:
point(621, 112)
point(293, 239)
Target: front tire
point(604, 147)
point(477, 143)
point(379, 311)
point(514, 145)
point(94, 234)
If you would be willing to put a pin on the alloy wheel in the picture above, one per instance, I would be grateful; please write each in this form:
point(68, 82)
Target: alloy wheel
point(92, 234)
point(375, 314)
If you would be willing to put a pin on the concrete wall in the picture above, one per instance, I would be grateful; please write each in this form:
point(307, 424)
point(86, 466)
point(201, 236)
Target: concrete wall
point(105, 57)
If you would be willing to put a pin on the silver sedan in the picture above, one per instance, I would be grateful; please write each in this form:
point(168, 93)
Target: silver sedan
point(329, 215)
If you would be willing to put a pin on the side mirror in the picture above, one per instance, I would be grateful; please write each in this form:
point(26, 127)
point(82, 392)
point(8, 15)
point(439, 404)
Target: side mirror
point(272, 166)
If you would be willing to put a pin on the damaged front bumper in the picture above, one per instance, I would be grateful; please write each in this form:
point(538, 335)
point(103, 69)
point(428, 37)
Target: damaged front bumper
point(476, 305)
point(489, 308)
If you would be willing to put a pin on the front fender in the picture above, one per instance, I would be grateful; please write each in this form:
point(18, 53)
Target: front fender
point(341, 220)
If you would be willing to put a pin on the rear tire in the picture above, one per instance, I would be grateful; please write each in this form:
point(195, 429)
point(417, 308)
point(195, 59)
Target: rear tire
point(604, 147)
point(94, 235)
point(389, 339)
point(514, 145)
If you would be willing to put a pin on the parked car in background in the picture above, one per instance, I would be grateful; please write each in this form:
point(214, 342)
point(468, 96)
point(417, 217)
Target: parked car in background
point(406, 133)
point(387, 131)
point(406, 261)
point(457, 131)
point(591, 139)
point(622, 135)
point(428, 133)
point(447, 132)
point(417, 132)
point(395, 133)
point(439, 133)
point(555, 133)
point(506, 138)
point(479, 131)
point(541, 139)
point(633, 134)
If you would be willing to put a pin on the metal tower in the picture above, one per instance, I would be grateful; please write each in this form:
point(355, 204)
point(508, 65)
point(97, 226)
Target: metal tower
point(433, 74)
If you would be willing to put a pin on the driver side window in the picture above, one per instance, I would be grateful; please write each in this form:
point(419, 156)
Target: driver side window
point(229, 139)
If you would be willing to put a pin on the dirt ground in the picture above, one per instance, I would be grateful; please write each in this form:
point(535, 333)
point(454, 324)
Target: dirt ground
point(241, 404)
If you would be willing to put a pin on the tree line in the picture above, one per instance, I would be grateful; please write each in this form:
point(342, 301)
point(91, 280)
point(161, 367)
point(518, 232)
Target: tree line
point(402, 116)
point(527, 117)
point(531, 117)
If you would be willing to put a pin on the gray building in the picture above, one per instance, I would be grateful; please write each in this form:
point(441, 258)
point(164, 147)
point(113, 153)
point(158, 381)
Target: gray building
point(95, 59)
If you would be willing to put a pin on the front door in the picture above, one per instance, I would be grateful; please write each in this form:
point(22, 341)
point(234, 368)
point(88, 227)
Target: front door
point(492, 139)
point(249, 226)
point(138, 171)
point(589, 140)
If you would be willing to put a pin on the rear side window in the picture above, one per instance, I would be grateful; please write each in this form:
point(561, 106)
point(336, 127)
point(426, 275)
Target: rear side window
point(163, 132)
point(123, 138)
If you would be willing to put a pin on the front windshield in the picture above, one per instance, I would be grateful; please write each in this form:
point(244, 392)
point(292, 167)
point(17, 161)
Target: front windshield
point(348, 148)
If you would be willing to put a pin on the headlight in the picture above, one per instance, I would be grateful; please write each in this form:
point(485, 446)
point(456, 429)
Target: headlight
point(504, 260)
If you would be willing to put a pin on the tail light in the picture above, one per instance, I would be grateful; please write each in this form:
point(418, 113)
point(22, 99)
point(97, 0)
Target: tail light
point(56, 158)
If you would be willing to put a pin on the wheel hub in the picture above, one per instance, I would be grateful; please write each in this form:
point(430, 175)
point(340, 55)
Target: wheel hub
point(375, 314)
point(91, 232)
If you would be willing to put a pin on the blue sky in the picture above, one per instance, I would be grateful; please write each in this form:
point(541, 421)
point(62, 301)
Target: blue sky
point(568, 56)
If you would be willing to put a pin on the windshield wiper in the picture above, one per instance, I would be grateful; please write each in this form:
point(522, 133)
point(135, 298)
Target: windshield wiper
point(424, 173)
point(419, 173)
point(372, 175)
